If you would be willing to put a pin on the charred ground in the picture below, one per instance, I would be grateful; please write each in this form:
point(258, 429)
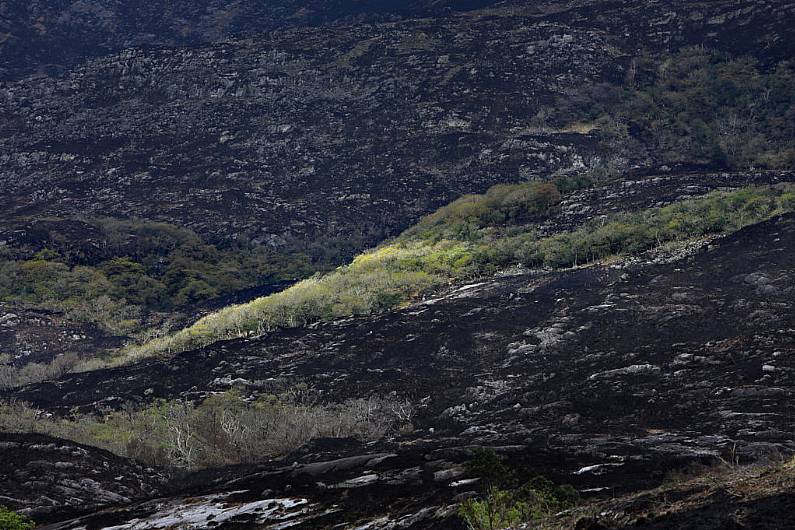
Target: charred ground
point(557, 369)
point(313, 130)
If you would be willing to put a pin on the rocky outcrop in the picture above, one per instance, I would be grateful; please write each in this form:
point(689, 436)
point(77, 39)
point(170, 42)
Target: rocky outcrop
point(41, 476)
point(29, 335)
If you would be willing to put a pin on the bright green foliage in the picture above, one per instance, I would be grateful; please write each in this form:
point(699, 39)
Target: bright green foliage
point(373, 282)
point(632, 233)
point(499, 509)
point(13, 521)
point(502, 204)
point(143, 267)
point(433, 254)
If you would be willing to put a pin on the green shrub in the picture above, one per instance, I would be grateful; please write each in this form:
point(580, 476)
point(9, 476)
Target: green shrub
point(141, 269)
point(788, 201)
point(13, 521)
point(545, 497)
point(224, 429)
point(499, 509)
point(696, 106)
point(500, 205)
point(488, 466)
point(12, 376)
point(574, 182)
point(715, 213)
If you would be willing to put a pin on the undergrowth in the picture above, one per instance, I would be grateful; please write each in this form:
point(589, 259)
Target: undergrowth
point(473, 236)
point(224, 429)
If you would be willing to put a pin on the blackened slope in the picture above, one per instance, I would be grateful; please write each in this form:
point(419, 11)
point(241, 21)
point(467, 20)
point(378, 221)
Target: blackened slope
point(697, 346)
point(39, 335)
point(328, 134)
point(337, 133)
point(742, 27)
point(606, 377)
point(42, 476)
point(414, 484)
point(725, 498)
point(46, 36)
point(49, 36)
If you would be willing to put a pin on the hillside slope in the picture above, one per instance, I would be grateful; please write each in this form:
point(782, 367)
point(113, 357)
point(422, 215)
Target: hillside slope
point(575, 310)
point(49, 477)
point(340, 135)
point(300, 142)
point(48, 37)
point(607, 376)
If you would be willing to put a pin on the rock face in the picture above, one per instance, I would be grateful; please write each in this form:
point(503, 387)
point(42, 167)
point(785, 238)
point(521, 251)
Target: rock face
point(41, 476)
point(603, 377)
point(31, 335)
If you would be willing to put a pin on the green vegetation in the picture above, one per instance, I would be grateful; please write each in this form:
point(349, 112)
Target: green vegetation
point(13, 521)
point(499, 509)
point(697, 106)
point(11, 376)
point(224, 429)
point(631, 233)
point(503, 204)
point(473, 236)
point(375, 281)
point(132, 270)
point(488, 466)
point(504, 503)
